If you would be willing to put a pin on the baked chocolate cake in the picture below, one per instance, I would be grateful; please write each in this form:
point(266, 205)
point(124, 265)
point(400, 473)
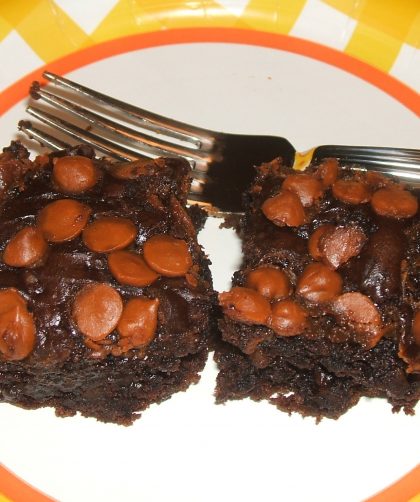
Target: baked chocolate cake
point(105, 294)
point(326, 307)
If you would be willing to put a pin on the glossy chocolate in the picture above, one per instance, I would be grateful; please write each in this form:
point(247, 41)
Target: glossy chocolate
point(358, 337)
point(176, 351)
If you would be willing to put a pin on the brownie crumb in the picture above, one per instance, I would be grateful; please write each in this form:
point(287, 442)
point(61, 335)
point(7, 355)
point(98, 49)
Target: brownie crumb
point(231, 221)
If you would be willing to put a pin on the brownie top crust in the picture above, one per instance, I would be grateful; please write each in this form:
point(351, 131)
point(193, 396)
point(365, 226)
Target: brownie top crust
point(329, 253)
point(98, 258)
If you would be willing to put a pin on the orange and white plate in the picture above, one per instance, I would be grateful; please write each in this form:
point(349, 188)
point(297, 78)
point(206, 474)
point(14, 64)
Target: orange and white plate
point(316, 72)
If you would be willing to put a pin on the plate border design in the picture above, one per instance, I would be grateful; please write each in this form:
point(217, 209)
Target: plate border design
point(383, 81)
point(407, 488)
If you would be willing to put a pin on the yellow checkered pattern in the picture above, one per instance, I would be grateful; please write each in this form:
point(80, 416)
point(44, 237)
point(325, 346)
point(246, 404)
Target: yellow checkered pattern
point(380, 27)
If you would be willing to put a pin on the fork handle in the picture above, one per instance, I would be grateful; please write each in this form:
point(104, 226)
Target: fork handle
point(371, 156)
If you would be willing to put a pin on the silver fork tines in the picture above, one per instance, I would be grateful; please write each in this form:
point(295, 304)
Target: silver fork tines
point(151, 121)
point(223, 165)
point(134, 138)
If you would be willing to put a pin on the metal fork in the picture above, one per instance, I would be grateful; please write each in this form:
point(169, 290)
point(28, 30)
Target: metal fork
point(222, 164)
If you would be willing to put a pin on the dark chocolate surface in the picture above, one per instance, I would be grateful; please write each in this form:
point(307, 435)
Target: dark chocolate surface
point(153, 203)
point(325, 370)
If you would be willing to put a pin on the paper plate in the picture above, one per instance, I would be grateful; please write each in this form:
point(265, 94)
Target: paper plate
point(238, 67)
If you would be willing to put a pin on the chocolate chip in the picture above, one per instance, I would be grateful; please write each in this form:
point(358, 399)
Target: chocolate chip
point(305, 186)
point(109, 233)
point(26, 248)
point(138, 321)
point(17, 326)
point(314, 240)
point(319, 284)
point(245, 305)
point(74, 174)
point(167, 256)
point(327, 172)
point(351, 191)
point(270, 282)
point(131, 269)
point(361, 314)
point(97, 310)
point(339, 245)
point(284, 208)
point(394, 203)
point(288, 318)
point(63, 220)
point(416, 327)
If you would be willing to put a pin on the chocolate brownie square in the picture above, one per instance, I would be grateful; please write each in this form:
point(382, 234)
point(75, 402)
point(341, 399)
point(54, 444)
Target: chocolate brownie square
point(326, 307)
point(105, 295)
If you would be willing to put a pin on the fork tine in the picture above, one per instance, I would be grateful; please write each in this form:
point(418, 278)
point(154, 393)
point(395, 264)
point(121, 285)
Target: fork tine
point(148, 120)
point(42, 137)
point(404, 160)
point(411, 176)
point(45, 139)
point(409, 156)
point(104, 145)
point(108, 148)
point(131, 136)
point(82, 135)
point(139, 149)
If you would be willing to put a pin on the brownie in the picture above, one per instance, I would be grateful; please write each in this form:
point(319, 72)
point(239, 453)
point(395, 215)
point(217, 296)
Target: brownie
point(326, 306)
point(105, 295)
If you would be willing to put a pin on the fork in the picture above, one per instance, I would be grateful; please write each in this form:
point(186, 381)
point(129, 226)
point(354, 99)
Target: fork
point(223, 165)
